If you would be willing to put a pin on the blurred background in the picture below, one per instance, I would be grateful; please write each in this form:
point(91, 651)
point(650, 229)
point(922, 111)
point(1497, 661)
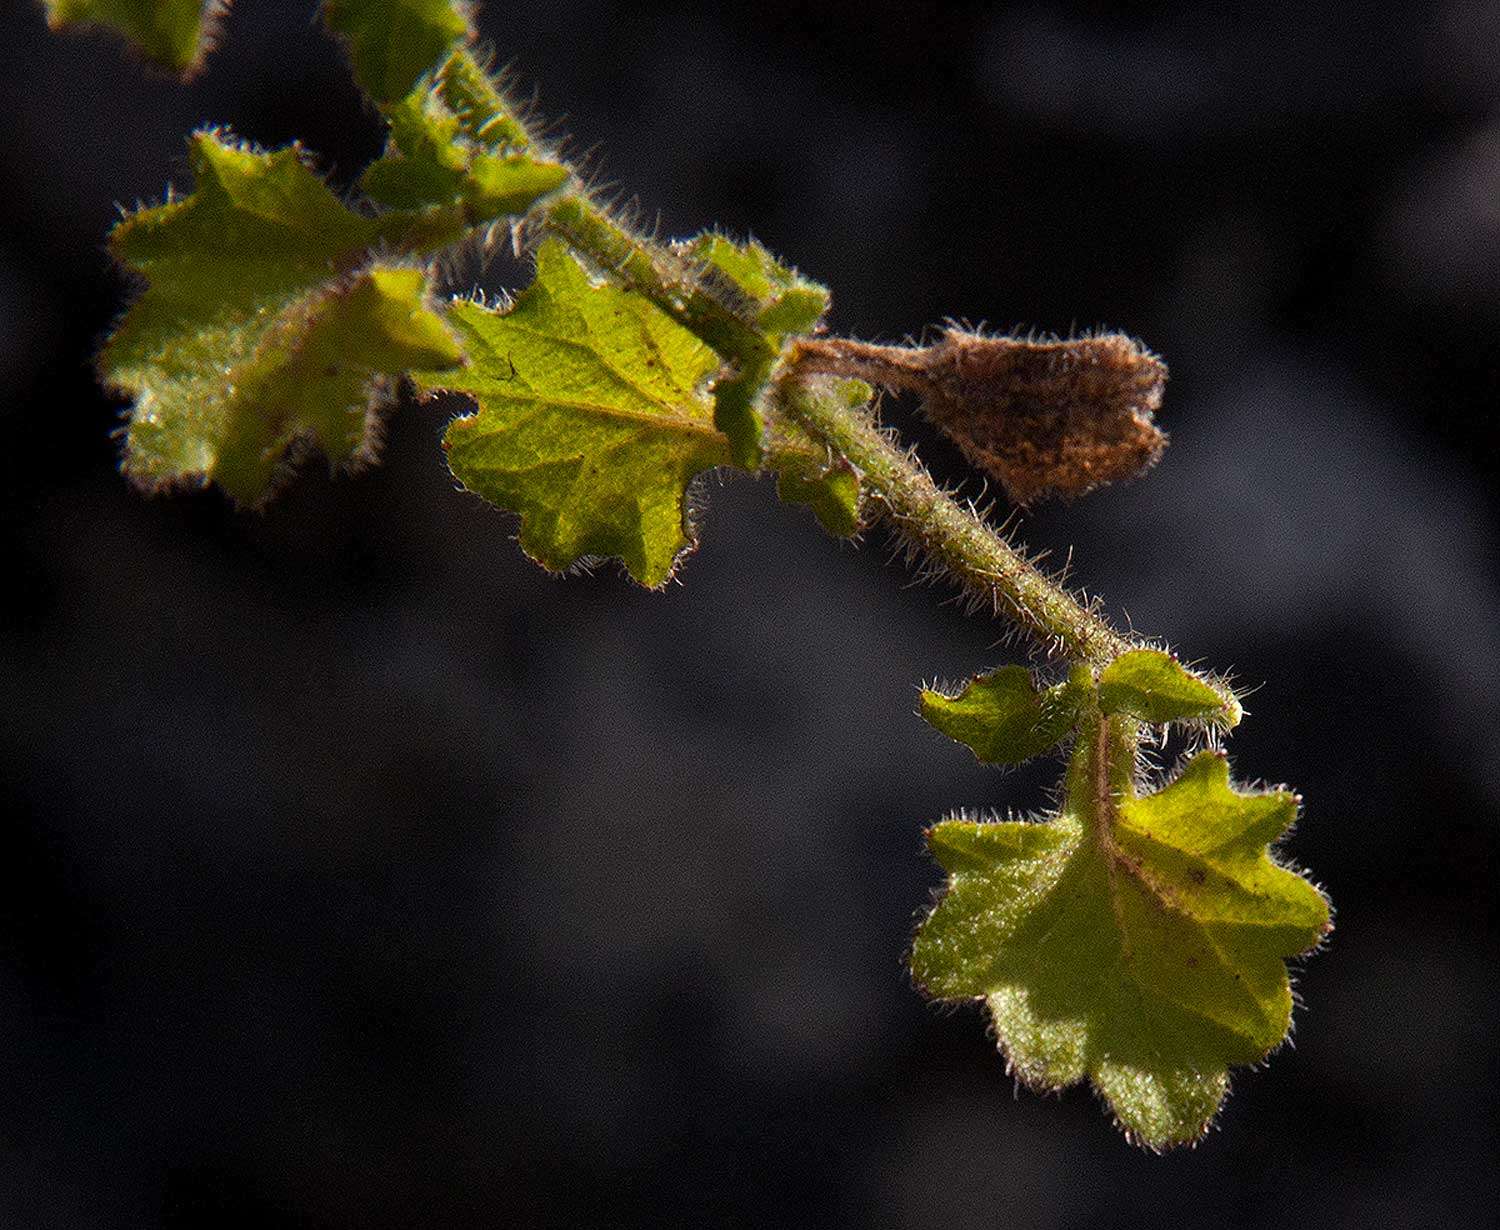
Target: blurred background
point(357, 873)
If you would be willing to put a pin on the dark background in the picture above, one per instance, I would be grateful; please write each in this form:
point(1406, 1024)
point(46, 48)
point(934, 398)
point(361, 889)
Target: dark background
point(357, 873)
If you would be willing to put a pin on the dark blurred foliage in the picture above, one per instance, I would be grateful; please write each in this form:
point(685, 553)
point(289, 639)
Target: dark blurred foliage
point(357, 873)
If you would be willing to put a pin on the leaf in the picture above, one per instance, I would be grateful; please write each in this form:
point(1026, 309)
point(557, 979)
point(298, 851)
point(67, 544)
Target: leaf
point(260, 326)
point(783, 302)
point(434, 163)
point(592, 420)
point(832, 494)
point(808, 474)
point(1154, 686)
point(176, 34)
point(1003, 718)
point(778, 302)
point(1140, 942)
point(393, 43)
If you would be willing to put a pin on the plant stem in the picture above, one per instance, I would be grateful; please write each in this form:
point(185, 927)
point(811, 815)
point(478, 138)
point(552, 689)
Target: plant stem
point(950, 535)
point(649, 268)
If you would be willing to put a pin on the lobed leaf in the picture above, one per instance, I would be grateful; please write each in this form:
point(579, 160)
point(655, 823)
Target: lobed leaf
point(174, 33)
point(394, 43)
point(1155, 687)
point(783, 302)
point(1137, 941)
point(593, 417)
point(263, 323)
point(777, 302)
point(1003, 718)
point(435, 163)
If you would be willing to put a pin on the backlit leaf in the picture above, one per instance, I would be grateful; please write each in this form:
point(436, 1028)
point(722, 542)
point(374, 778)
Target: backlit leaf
point(593, 417)
point(1003, 717)
point(1137, 941)
point(779, 302)
point(808, 475)
point(392, 43)
point(782, 300)
point(434, 163)
point(1155, 687)
point(262, 325)
point(173, 33)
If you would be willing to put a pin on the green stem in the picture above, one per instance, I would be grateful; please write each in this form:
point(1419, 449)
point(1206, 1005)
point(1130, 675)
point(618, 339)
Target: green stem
point(975, 556)
point(646, 267)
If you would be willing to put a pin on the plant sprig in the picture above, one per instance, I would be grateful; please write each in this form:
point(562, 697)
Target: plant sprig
point(1136, 937)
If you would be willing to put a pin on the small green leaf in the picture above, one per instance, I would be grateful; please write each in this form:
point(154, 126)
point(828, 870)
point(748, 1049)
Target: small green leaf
point(434, 162)
point(777, 302)
point(393, 43)
point(427, 161)
point(592, 419)
point(782, 301)
point(257, 329)
point(1154, 686)
point(498, 186)
point(738, 413)
point(1003, 718)
point(173, 33)
point(832, 494)
point(1140, 942)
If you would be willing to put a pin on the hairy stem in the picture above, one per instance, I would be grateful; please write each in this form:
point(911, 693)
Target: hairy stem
point(651, 269)
point(975, 556)
point(949, 535)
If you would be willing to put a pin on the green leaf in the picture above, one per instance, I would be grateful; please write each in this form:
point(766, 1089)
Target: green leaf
point(592, 420)
point(777, 302)
point(174, 33)
point(260, 326)
point(1154, 686)
point(832, 494)
point(427, 161)
point(393, 43)
point(738, 413)
point(436, 162)
point(1002, 716)
point(779, 298)
point(1140, 942)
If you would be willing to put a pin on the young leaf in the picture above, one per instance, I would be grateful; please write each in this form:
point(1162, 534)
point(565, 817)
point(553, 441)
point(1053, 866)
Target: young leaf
point(1003, 718)
point(779, 302)
point(392, 43)
point(1155, 687)
point(592, 420)
point(434, 163)
point(1137, 941)
point(255, 331)
point(782, 300)
point(174, 33)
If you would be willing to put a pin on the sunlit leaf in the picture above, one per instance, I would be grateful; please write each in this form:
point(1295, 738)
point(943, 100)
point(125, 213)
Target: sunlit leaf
point(593, 417)
point(808, 475)
point(174, 33)
point(1003, 717)
point(392, 43)
point(434, 163)
point(782, 300)
point(1137, 941)
point(1155, 687)
point(263, 324)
